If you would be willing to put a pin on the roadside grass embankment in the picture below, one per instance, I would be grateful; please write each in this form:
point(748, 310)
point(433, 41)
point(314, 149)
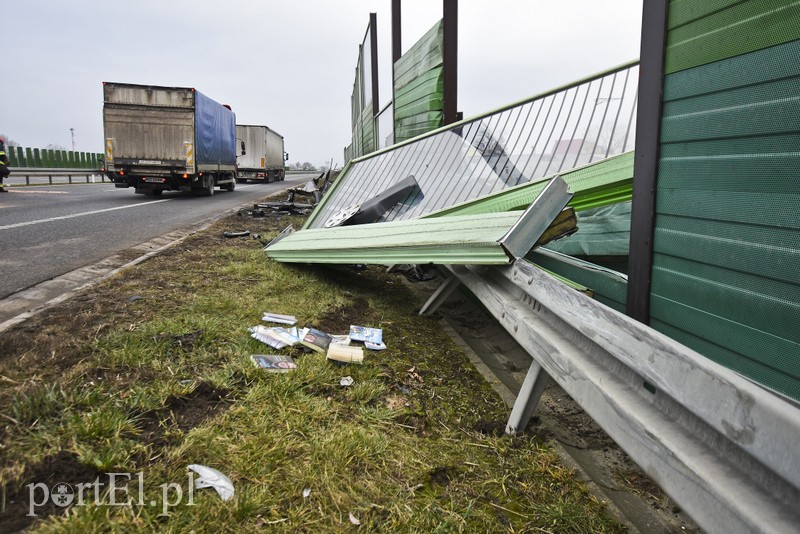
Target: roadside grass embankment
point(150, 371)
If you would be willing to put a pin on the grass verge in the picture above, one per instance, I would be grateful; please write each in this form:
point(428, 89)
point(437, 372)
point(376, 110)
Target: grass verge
point(149, 372)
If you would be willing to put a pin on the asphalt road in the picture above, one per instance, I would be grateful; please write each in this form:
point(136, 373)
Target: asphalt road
point(46, 231)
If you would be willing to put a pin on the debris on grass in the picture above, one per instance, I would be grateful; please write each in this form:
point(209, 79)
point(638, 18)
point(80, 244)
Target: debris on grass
point(243, 233)
point(345, 353)
point(267, 336)
point(365, 333)
point(211, 478)
point(279, 318)
point(317, 340)
point(415, 375)
point(276, 363)
point(346, 381)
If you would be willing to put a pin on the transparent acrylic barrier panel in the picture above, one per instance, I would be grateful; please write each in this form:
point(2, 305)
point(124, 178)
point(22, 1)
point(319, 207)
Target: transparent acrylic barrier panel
point(566, 128)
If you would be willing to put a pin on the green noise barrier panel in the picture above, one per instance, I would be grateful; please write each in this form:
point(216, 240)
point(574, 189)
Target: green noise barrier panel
point(726, 265)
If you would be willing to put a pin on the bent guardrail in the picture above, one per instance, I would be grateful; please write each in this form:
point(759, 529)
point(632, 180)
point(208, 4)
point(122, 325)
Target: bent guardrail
point(719, 444)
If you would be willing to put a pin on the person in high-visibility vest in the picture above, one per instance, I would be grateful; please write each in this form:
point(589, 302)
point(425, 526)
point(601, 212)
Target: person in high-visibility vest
point(4, 170)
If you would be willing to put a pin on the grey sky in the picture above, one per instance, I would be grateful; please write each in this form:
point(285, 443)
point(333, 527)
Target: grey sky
point(287, 64)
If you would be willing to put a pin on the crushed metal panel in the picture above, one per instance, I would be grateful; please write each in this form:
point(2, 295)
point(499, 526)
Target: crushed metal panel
point(522, 237)
point(492, 238)
point(374, 209)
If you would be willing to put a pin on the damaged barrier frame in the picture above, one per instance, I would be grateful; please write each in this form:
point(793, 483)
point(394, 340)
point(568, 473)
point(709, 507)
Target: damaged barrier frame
point(491, 238)
point(720, 445)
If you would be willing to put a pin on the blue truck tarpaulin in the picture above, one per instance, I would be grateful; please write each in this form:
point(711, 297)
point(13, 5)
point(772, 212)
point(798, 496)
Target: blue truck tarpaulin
point(215, 132)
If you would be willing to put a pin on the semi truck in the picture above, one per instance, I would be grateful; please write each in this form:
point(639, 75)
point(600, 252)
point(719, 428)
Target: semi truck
point(167, 139)
point(264, 155)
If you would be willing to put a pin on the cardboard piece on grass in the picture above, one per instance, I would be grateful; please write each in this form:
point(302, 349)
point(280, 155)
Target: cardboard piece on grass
point(345, 354)
point(211, 478)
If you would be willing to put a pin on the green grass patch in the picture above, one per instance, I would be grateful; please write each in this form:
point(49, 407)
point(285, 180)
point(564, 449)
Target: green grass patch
point(156, 376)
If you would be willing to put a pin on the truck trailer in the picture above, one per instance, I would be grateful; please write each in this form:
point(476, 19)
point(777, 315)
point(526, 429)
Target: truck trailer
point(263, 155)
point(167, 139)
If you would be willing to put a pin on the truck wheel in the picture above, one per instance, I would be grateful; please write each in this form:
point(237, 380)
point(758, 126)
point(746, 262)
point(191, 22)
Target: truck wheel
point(231, 186)
point(208, 185)
point(155, 192)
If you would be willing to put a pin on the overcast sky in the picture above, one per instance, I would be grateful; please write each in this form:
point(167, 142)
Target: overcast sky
point(287, 64)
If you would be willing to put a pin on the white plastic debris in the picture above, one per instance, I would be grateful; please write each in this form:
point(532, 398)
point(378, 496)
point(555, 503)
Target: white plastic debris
point(346, 381)
point(211, 478)
point(354, 519)
point(306, 492)
point(279, 318)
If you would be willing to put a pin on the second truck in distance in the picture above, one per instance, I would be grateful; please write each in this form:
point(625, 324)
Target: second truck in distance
point(263, 157)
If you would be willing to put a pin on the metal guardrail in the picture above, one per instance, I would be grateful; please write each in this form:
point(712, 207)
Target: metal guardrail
point(723, 447)
point(29, 175)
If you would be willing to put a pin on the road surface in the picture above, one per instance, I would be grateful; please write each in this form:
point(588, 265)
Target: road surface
point(46, 231)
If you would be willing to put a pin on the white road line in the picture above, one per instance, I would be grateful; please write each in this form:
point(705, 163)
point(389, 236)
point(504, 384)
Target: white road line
point(51, 219)
point(37, 191)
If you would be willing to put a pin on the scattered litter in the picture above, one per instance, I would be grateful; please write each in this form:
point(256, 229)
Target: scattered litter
point(257, 237)
point(354, 519)
point(290, 336)
point(243, 233)
point(211, 478)
point(279, 209)
point(134, 298)
point(279, 318)
point(345, 353)
point(365, 333)
point(317, 340)
point(260, 521)
point(267, 336)
point(415, 273)
point(275, 363)
point(346, 381)
point(375, 346)
point(415, 375)
point(186, 382)
point(340, 340)
point(306, 492)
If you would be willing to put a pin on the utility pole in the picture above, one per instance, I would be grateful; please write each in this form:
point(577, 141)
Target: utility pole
point(72, 132)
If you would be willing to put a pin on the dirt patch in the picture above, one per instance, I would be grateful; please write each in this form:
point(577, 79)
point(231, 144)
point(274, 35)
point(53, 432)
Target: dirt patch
point(185, 341)
point(339, 319)
point(163, 427)
point(45, 489)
